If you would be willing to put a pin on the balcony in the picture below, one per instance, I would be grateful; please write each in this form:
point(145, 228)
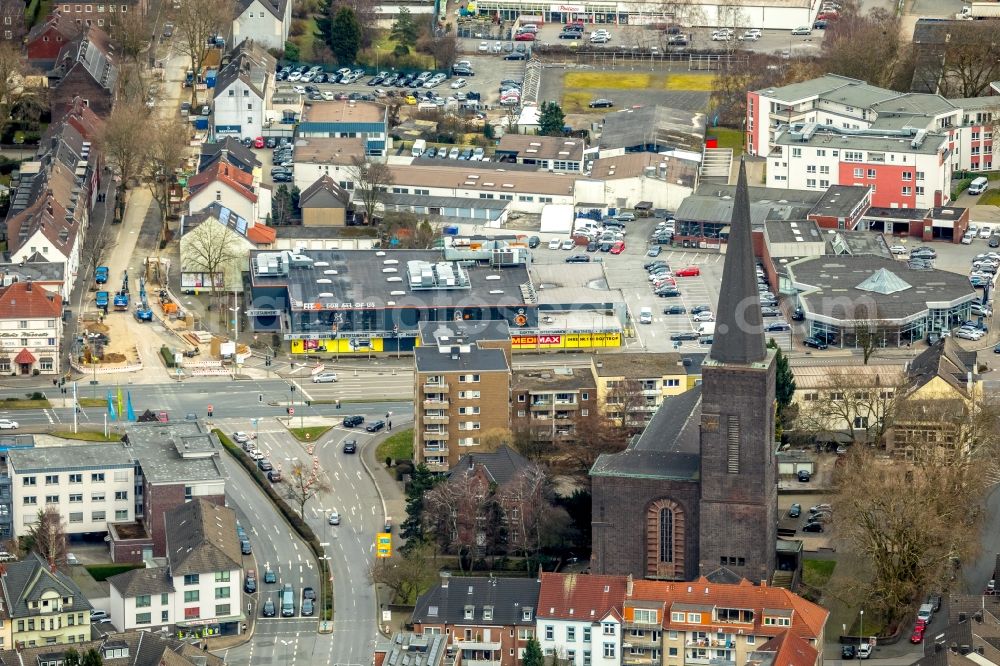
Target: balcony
point(432, 387)
point(439, 419)
point(647, 639)
point(639, 659)
point(442, 466)
point(541, 405)
point(566, 404)
point(476, 645)
point(481, 662)
point(435, 404)
point(433, 452)
point(434, 434)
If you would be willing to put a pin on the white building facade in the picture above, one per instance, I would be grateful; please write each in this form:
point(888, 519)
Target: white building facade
point(267, 22)
point(580, 641)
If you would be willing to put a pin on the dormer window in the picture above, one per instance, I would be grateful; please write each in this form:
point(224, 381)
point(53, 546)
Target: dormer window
point(526, 614)
point(488, 613)
point(470, 612)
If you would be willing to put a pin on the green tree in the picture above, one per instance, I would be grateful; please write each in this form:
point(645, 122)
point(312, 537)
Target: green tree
point(91, 658)
point(345, 36)
point(784, 389)
point(412, 528)
point(551, 120)
point(71, 657)
point(405, 30)
point(533, 654)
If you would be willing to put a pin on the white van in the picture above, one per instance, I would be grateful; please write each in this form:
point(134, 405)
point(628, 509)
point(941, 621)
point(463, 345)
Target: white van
point(646, 316)
point(419, 146)
point(979, 185)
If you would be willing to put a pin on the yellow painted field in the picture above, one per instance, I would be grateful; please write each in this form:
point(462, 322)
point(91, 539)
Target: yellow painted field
point(692, 82)
point(607, 81)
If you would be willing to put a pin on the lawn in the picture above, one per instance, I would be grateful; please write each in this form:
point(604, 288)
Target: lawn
point(93, 402)
point(306, 39)
point(398, 447)
point(102, 572)
point(606, 80)
point(989, 198)
point(576, 102)
point(692, 82)
point(86, 436)
point(816, 573)
point(19, 403)
point(310, 434)
point(728, 138)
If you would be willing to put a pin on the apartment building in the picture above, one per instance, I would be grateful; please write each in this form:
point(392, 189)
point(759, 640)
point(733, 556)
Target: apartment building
point(31, 328)
point(848, 125)
point(245, 86)
point(201, 586)
point(90, 484)
point(45, 605)
point(489, 621)
point(461, 390)
point(633, 386)
point(553, 405)
point(580, 618)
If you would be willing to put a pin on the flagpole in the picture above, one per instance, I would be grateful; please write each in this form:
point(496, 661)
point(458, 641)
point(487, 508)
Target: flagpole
point(74, 407)
point(105, 425)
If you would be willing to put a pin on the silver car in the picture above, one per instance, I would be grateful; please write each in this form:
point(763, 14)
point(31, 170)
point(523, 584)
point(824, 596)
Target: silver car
point(325, 378)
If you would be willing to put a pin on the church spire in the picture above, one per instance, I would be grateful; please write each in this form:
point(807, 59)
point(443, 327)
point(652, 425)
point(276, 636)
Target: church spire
point(739, 331)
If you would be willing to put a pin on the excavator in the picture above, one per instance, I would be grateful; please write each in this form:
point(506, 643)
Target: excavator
point(121, 297)
point(142, 311)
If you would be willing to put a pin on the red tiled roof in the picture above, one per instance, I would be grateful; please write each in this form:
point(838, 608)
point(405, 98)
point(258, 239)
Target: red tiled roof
point(223, 172)
point(579, 596)
point(261, 234)
point(24, 356)
point(808, 619)
point(790, 650)
point(22, 301)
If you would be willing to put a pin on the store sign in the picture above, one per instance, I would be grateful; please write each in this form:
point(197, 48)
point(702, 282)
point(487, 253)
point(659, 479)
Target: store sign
point(576, 9)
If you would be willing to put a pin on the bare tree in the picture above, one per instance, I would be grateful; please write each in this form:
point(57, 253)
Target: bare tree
point(444, 49)
point(197, 23)
point(211, 248)
point(131, 35)
point(969, 62)
point(304, 483)
point(367, 13)
point(124, 143)
point(97, 245)
point(626, 408)
point(531, 520)
point(166, 152)
point(854, 403)
point(408, 576)
point(14, 88)
point(47, 537)
point(452, 514)
point(371, 181)
point(868, 46)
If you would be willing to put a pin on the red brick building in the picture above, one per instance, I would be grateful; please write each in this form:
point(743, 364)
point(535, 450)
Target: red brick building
point(86, 69)
point(48, 38)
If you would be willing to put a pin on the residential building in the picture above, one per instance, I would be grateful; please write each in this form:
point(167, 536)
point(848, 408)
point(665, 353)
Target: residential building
point(232, 188)
point(101, 13)
point(178, 462)
point(324, 203)
point(201, 584)
point(47, 39)
point(786, 648)
point(461, 389)
point(553, 405)
point(496, 468)
point(348, 119)
point(266, 22)
point(547, 153)
point(230, 150)
point(86, 68)
point(12, 24)
point(45, 605)
point(970, 634)
point(707, 455)
point(579, 618)
point(47, 275)
point(842, 207)
point(485, 620)
point(133, 648)
point(415, 649)
point(635, 386)
point(202, 231)
point(31, 326)
point(244, 87)
point(90, 485)
point(319, 156)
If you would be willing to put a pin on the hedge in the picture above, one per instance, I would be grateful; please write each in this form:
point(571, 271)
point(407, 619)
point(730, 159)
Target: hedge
point(960, 187)
point(299, 525)
point(168, 356)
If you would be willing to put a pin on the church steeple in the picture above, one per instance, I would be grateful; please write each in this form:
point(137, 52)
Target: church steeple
point(739, 330)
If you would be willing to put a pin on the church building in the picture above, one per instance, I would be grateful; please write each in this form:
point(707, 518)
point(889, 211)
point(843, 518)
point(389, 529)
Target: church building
point(697, 491)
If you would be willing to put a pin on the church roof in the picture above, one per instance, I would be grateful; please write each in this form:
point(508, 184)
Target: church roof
point(667, 448)
point(739, 329)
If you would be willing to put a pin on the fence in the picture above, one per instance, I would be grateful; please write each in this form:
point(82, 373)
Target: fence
point(607, 58)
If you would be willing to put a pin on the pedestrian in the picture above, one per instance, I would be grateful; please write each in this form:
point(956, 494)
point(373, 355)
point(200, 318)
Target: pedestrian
point(390, 425)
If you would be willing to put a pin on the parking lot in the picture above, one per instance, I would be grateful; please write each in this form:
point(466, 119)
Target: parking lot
point(625, 272)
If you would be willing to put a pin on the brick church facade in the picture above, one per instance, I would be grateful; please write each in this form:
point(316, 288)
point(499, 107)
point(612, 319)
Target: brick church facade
point(697, 492)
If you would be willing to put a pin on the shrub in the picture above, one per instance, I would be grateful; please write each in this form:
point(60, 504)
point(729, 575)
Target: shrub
point(37, 395)
point(298, 27)
point(960, 187)
point(292, 52)
point(168, 356)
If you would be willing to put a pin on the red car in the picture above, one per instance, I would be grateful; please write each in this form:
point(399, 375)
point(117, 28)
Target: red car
point(918, 635)
point(258, 142)
point(690, 271)
point(524, 37)
point(827, 16)
point(618, 247)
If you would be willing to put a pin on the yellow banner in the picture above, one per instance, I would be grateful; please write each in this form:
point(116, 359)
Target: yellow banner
point(383, 545)
point(338, 346)
point(566, 341)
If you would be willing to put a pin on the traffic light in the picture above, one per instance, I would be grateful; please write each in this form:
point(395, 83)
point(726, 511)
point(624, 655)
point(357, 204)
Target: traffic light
point(260, 397)
point(291, 387)
point(288, 410)
point(267, 361)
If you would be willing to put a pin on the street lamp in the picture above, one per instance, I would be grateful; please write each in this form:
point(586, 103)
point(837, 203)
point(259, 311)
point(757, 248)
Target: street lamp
point(861, 628)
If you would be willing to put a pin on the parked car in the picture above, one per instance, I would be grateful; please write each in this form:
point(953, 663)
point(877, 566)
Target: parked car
point(674, 310)
point(534, 242)
point(601, 103)
point(352, 421)
point(690, 271)
point(848, 652)
point(577, 259)
point(812, 527)
point(815, 343)
point(802, 30)
point(803, 475)
point(684, 335)
point(795, 511)
point(654, 251)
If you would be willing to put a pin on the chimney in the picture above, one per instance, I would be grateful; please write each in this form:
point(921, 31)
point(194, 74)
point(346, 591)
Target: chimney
point(628, 586)
point(539, 578)
point(27, 285)
point(445, 577)
point(455, 352)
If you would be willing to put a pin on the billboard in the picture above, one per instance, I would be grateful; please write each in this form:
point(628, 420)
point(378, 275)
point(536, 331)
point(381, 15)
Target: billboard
point(338, 346)
point(566, 341)
point(383, 545)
